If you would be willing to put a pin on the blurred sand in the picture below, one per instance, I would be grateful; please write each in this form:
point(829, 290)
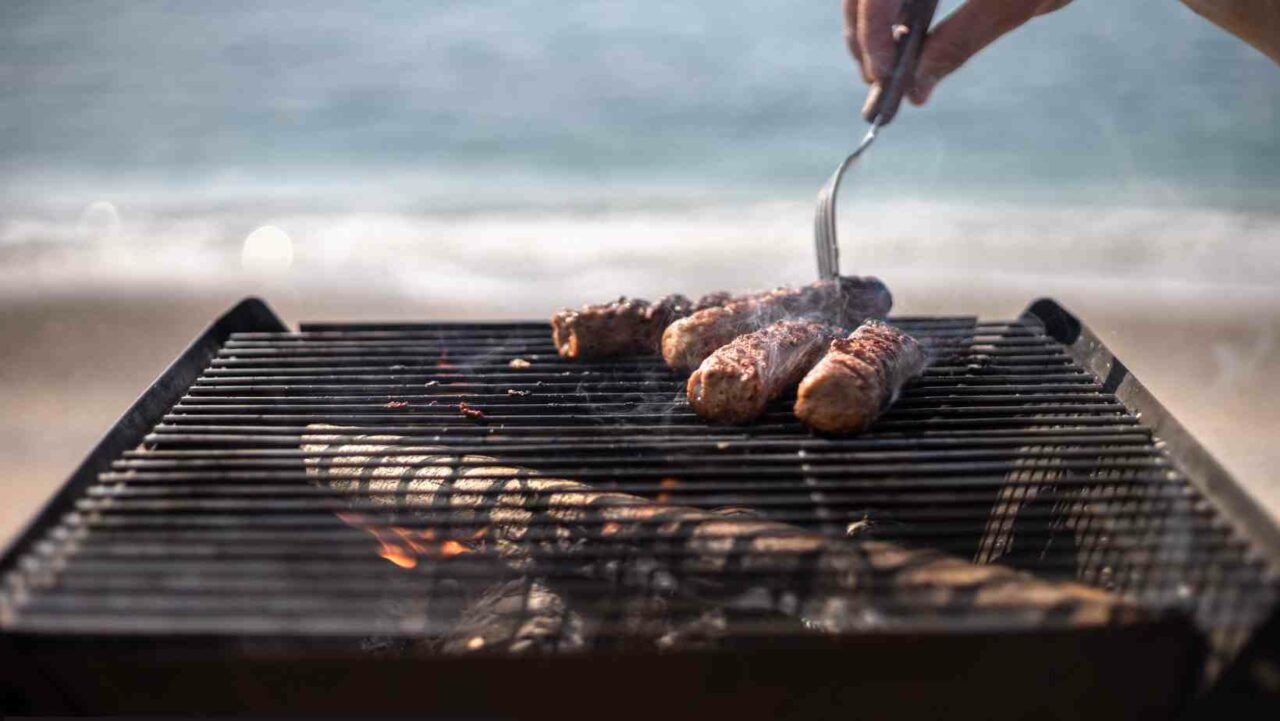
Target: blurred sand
point(71, 363)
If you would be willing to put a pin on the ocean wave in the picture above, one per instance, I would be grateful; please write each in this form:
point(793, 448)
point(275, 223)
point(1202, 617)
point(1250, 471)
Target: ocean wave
point(510, 261)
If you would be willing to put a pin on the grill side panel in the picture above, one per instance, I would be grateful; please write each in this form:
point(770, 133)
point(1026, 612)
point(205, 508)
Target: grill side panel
point(249, 315)
point(1248, 515)
point(1136, 672)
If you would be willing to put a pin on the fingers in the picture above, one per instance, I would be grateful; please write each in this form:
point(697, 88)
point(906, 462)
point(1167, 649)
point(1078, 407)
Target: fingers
point(868, 33)
point(850, 8)
point(972, 27)
point(875, 36)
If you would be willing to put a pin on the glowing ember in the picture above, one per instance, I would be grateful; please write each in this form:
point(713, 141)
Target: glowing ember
point(474, 414)
point(396, 404)
point(664, 496)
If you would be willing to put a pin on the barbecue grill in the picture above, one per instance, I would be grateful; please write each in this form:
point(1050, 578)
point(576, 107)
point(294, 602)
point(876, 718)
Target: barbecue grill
point(201, 558)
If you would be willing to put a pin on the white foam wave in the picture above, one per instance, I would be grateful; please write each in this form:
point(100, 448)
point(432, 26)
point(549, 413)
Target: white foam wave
point(527, 262)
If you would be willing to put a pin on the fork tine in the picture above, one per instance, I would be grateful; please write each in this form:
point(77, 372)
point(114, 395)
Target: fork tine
point(824, 220)
point(824, 236)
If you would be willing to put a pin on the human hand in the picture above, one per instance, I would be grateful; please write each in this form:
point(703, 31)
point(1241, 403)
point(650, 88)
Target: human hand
point(868, 31)
point(1257, 22)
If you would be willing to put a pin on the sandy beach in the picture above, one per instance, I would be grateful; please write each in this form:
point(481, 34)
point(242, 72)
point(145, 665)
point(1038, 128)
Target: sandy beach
point(72, 361)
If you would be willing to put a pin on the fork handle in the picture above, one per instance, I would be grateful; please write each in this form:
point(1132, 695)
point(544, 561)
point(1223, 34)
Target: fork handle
point(883, 100)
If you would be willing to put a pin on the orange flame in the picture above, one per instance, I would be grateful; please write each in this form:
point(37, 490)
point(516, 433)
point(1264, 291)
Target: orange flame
point(403, 546)
point(449, 549)
point(395, 555)
point(668, 482)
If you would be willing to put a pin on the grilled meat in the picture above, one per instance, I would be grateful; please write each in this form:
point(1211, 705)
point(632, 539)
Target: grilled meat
point(623, 327)
point(857, 378)
point(846, 301)
point(735, 382)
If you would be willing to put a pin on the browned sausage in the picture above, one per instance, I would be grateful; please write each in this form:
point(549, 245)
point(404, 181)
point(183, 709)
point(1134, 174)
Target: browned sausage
point(736, 381)
point(857, 378)
point(846, 301)
point(623, 327)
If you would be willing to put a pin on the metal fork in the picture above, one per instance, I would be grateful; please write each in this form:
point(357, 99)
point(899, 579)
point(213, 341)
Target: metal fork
point(882, 104)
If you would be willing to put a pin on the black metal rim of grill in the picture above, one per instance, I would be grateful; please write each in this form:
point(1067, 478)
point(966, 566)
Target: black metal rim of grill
point(1038, 401)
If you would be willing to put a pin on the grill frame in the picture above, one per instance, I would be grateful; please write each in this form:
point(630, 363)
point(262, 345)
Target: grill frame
point(291, 661)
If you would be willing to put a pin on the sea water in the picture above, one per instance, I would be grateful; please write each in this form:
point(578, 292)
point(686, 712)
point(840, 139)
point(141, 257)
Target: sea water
point(530, 153)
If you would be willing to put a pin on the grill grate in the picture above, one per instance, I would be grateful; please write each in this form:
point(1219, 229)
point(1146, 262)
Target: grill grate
point(226, 518)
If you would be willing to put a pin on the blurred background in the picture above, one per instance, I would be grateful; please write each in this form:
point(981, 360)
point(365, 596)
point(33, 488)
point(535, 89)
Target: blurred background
point(485, 159)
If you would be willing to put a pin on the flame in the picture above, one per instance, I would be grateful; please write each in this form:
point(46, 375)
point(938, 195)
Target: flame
point(449, 549)
point(403, 546)
point(395, 555)
point(668, 482)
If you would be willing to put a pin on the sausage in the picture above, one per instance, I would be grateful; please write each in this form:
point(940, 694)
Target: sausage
point(846, 301)
point(857, 378)
point(627, 326)
point(735, 382)
point(624, 327)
